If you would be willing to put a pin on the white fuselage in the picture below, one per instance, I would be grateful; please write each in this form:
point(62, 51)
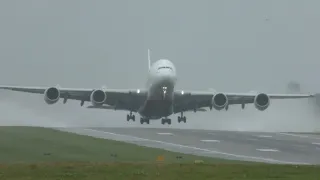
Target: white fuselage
point(161, 81)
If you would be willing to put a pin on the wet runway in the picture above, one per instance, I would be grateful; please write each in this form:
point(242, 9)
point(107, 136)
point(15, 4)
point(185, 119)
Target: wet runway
point(284, 148)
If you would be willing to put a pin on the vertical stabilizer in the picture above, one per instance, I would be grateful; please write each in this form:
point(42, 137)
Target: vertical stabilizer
point(149, 60)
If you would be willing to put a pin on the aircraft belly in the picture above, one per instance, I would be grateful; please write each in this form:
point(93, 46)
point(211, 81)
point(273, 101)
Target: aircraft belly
point(156, 109)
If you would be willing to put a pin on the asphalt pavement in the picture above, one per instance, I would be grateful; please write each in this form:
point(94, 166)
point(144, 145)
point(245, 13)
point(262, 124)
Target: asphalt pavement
point(284, 148)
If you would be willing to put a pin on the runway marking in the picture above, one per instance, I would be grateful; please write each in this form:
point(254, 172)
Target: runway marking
point(298, 135)
point(164, 133)
point(201, 149)
point(264, 136)
point(268, 150)
point(210, 140)
point(316, 143)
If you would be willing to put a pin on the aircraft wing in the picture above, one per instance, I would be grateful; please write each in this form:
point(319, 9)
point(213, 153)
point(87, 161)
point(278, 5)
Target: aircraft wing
point(128, 99)
point(190, 100)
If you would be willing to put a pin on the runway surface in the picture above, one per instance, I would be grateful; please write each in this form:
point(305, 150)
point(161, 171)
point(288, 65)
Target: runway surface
point(284, 148)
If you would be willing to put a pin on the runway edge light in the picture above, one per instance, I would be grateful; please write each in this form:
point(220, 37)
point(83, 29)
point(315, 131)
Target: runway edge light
point(160, 158)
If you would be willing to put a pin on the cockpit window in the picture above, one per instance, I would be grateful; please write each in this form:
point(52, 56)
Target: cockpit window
point(165, 67)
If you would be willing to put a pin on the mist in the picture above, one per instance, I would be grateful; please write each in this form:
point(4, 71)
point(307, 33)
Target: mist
point(227, 45)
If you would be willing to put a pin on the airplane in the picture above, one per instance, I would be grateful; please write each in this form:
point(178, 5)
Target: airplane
point(159, 99)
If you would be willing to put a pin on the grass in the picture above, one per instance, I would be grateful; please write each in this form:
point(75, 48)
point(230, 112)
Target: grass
point(40, 153)
point(34, 144)
point(124, 171)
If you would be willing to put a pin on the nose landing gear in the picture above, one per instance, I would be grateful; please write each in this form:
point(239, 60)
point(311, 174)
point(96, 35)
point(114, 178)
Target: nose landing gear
point(144, 120)
point(164, 92)
point(165, 120)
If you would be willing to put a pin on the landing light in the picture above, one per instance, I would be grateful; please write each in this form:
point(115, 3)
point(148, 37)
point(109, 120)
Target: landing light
point(182, 92)
point(138, 91)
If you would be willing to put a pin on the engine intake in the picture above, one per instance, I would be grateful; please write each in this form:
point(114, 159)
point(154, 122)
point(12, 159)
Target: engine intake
point(51, 95)
point(262, 101)
point(98, 97)
point(219, 101)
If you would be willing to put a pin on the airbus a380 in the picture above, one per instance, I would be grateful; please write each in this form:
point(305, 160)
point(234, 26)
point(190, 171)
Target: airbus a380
point(159, 100)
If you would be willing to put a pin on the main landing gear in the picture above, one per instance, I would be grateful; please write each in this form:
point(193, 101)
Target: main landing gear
point(182, 118)
point(131, 116)
point(165, 120)
point(144, 120)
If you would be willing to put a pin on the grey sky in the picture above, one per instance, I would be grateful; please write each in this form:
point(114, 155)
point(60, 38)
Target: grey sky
point(227, 45)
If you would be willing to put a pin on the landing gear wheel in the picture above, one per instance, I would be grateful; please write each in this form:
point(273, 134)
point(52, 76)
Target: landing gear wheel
point(130, 116)
point(165, 120)
point(143, 120)
point(182, 119)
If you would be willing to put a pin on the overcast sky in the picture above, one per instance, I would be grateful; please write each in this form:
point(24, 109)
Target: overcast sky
point(227, 45)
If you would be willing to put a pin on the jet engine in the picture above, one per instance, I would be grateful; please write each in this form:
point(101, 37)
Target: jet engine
point(51, 95)
point(219, 101)
point(98, 97)
point(262, 101)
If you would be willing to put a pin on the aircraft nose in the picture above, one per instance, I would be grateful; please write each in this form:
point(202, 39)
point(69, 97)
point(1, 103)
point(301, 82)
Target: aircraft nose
point(167, 75)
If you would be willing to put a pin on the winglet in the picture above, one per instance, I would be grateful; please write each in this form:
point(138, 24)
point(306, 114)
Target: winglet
point(149, 60)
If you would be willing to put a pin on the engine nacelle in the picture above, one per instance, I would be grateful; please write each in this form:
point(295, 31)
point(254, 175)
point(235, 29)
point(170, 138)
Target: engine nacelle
point(262, 101)
point(219, 101)
point(51, 95)
point(98, 97)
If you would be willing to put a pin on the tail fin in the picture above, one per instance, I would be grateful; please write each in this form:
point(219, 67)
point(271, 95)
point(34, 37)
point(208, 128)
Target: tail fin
point(149, 60)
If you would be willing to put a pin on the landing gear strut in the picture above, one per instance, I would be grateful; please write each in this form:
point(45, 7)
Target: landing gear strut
point(182, 118)
point(131, 116)
point(165, 120)
point(144, 120)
